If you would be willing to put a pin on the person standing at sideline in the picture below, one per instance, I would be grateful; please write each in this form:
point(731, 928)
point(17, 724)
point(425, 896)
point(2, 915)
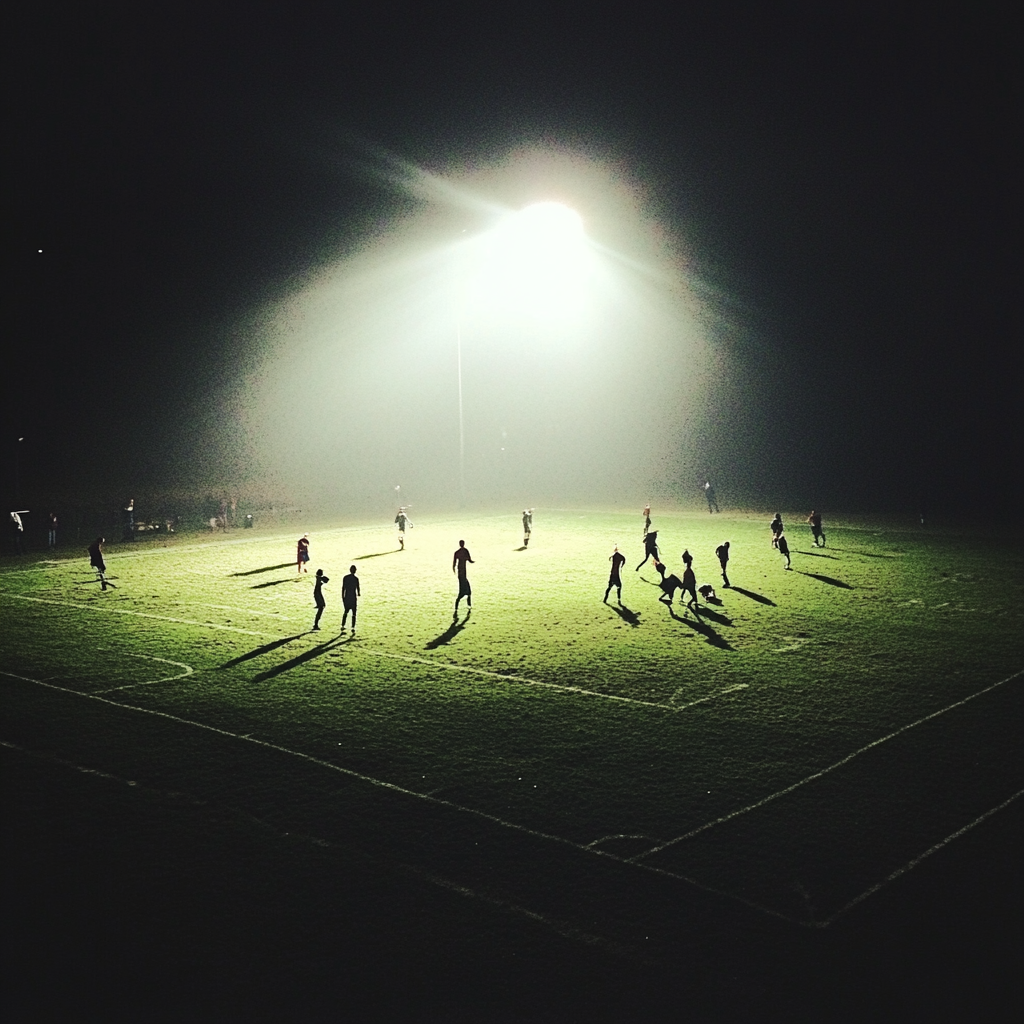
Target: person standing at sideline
point(723, 557)
point(318, 597)
point(709, 493)
point(527, 526)
point(618, 560)
point(459, 560)
point(52, 540)
point(402, 521)
point(18, 533)
point(302, 553)
point(647, 518)
point(349, 597)
point(816, 531)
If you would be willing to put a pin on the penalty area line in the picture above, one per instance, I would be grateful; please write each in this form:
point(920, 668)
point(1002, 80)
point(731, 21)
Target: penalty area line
point(637, 858)
point(911, 864)
point(393, 787)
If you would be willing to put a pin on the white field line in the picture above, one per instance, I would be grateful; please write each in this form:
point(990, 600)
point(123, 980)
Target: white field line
point(534, 682)
point(245, 611)
point(447, 666)
point(150, 682)
point(393, 787)
point(824, 771)
point(563, 928)
point(911, 864)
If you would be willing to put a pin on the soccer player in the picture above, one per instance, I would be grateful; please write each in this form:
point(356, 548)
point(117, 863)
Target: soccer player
point(459, 560)
point(776, 527)
point(816, 531)
point(349, 597)
point(650, 548)
point(647, 517)
point(302, 553)
point(709, 493)
point(783, 545)
point(402, 521)
point(618, 560)
point(527, 526)
point(318, 598)
point(669, 585)
point(723, 557)
point(689, 586)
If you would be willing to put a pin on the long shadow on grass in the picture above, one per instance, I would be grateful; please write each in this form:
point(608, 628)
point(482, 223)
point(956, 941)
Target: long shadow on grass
point(265, 649)
point(760, 598)
point(266, 568)
point(714, 638)
point(379, 554)
point(816, 554)
point(274, 583)
point(830, 580)
point(627, 614)
point(449, 634)
point(707, 613)
point(522, 547)
point(300, 659)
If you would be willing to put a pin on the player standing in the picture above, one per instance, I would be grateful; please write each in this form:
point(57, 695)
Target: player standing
point(318, 598)
point(349, 597)
point(618, 560)
point(459, 560)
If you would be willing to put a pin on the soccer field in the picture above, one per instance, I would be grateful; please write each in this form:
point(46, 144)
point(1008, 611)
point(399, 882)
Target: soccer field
point(798, 749)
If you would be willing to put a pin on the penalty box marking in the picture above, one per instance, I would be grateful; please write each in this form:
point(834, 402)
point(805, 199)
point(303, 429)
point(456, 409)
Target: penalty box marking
point(375, 652)
point(395, 788)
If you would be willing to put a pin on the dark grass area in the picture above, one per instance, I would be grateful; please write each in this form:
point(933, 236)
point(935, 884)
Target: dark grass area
point(129, 903)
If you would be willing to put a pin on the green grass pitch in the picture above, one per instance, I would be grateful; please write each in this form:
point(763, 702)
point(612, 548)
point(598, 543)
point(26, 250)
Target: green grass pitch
point(804, 742)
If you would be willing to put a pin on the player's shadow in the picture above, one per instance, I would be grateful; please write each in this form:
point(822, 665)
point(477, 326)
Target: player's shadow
point(830, 580)
point(265, 568)
point(265, 649)
point(378, 554)
point(760, 598)
point(869, 554)
point(299, 659)
point(707, 613)
point(449, 634)
point(708, 632)
point(275, 583)
point(816, 554)
point(522, 547)
point(626, 614)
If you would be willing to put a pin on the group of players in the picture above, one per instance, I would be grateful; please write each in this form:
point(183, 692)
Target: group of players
point(670, 583)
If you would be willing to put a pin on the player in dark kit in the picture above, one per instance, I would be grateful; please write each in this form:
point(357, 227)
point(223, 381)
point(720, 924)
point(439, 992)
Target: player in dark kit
point(650, 548)
point(816, 531)
point(349, 597)
point(709, 493)
point(776, 527)
point(459, 560)
point(402, 521)
point(318, 598)
point(527, 526)
point(783, 545)
point(723, 557)
point(618, 560)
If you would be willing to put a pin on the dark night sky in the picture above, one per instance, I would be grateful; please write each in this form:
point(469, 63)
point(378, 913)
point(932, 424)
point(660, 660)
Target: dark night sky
point(847, 182)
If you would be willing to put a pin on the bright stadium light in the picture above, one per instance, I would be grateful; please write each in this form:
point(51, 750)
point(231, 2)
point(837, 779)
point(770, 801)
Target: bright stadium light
point(534, 264)
point(531, 270)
